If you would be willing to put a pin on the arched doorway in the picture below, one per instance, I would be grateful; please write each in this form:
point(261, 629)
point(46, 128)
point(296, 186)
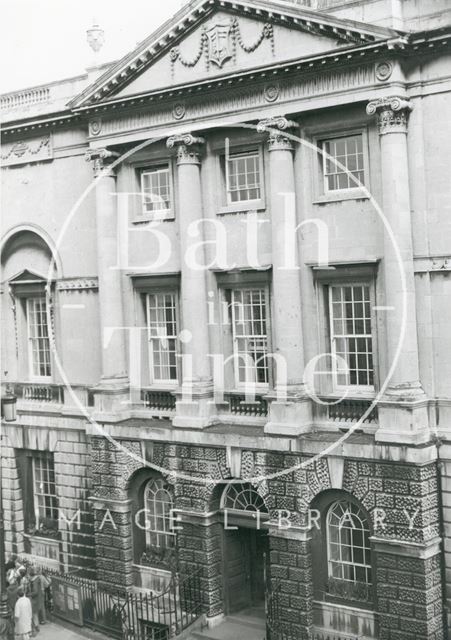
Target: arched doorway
point(245, 549)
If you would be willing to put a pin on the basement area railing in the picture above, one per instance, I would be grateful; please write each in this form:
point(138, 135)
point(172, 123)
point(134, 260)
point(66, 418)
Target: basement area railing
point(137, 616)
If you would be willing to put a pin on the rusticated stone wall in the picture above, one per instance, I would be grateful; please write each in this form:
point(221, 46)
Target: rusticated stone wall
point(408, 589)
point(292, 576)
point(409, 598)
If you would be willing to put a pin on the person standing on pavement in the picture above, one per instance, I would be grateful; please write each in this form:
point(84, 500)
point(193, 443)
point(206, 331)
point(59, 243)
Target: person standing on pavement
point(37, 598)
point(45, 584)
point(22, 615)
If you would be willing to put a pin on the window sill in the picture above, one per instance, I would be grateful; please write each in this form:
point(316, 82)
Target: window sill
point(243, 207)
point(154, 217)
point(339, 196)
point(41, 537)
point(352, 393)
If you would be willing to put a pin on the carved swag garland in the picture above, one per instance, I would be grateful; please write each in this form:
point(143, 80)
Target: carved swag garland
point(219, 43)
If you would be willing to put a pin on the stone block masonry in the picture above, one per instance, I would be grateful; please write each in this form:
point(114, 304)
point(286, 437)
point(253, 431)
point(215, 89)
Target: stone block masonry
point(408, 596)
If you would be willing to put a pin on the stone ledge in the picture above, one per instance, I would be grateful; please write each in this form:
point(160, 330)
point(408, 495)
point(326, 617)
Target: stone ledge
point(408, 549)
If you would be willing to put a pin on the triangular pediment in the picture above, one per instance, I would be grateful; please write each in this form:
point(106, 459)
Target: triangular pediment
point(213, 38)
point(27, 277)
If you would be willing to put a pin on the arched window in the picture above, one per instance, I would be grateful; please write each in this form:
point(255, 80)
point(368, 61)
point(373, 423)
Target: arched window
point(243, 497)
point(158, 506)
point(348, 546)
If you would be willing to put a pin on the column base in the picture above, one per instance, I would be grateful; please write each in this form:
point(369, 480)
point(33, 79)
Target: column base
point(290, 413)
point(195, 406)
point(404, 416)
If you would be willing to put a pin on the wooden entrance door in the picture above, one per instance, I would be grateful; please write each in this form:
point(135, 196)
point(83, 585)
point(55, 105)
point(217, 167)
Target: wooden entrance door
point(237, 570)
point(244, 554)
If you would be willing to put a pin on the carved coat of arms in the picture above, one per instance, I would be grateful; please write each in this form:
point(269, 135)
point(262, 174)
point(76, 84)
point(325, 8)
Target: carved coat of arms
point(219, 46)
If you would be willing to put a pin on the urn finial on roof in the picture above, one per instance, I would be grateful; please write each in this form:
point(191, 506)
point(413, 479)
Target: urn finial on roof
point(95, 37)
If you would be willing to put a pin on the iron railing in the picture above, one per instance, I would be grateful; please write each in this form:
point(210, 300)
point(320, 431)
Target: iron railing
point(38, 392)
point(142, 615)
point(158, 400)
point(350, 410)
point(238, 405)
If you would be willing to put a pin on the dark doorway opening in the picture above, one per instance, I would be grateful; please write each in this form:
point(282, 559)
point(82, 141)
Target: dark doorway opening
point(246, 558)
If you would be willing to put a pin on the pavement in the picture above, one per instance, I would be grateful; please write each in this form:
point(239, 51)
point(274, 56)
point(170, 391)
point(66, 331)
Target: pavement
point(57, 631)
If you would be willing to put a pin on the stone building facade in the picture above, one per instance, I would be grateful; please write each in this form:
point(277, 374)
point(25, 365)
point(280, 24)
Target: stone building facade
point(226, 302)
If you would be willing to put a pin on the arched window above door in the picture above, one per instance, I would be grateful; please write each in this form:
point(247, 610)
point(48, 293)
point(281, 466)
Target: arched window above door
point(242, 497)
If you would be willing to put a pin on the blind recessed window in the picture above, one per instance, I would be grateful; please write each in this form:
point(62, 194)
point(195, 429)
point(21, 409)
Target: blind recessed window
point(351, 335)
point(162, 332)
point(38, 338)
point(348, 543)
point(156, 189)
point(343, 163)
point(46, 503)
point(250, 336)
point(243, 180)
point(158, 506)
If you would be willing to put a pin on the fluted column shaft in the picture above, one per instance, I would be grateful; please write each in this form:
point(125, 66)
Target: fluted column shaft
point(114, 365)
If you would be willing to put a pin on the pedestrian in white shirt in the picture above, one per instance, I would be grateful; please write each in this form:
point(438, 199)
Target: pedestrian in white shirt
point(23, 616)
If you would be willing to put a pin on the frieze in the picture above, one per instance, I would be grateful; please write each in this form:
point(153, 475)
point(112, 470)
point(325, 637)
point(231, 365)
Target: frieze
point(27, 151)
point(242, 99)
point(78, 284)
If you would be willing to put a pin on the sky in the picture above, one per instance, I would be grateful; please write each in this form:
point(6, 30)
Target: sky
point(45, 40)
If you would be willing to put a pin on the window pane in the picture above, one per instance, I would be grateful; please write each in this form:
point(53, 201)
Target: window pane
point(46, 503)
point(162, 331)
point(250, 335)
point(343, 164)
point(348, 543)
point(158, 505)
point(155, 189)
point(351, 334)
point(243, 177)
point(38, 336)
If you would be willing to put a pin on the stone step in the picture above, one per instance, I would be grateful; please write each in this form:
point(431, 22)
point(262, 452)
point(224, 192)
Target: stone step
point(234, 628)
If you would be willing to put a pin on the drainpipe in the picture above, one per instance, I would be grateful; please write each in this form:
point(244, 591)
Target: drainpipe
point(438, 444)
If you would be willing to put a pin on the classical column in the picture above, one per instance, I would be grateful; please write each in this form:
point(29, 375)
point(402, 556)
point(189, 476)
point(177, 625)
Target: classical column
point(114, 366)
point(290, 408)
point(404, 390)
point(195, 406)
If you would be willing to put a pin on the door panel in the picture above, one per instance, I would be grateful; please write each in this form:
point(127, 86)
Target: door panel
point(245, 552)
point(237, 569)
point(259, 547)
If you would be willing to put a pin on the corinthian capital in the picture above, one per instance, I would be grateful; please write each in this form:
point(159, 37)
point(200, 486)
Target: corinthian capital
point(392, 114)
point(187, 147)
point(274, 126)
point(101, 160)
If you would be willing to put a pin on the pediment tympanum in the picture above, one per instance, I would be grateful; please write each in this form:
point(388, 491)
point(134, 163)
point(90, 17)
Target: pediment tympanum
point(215, 38)
point(224, 44)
